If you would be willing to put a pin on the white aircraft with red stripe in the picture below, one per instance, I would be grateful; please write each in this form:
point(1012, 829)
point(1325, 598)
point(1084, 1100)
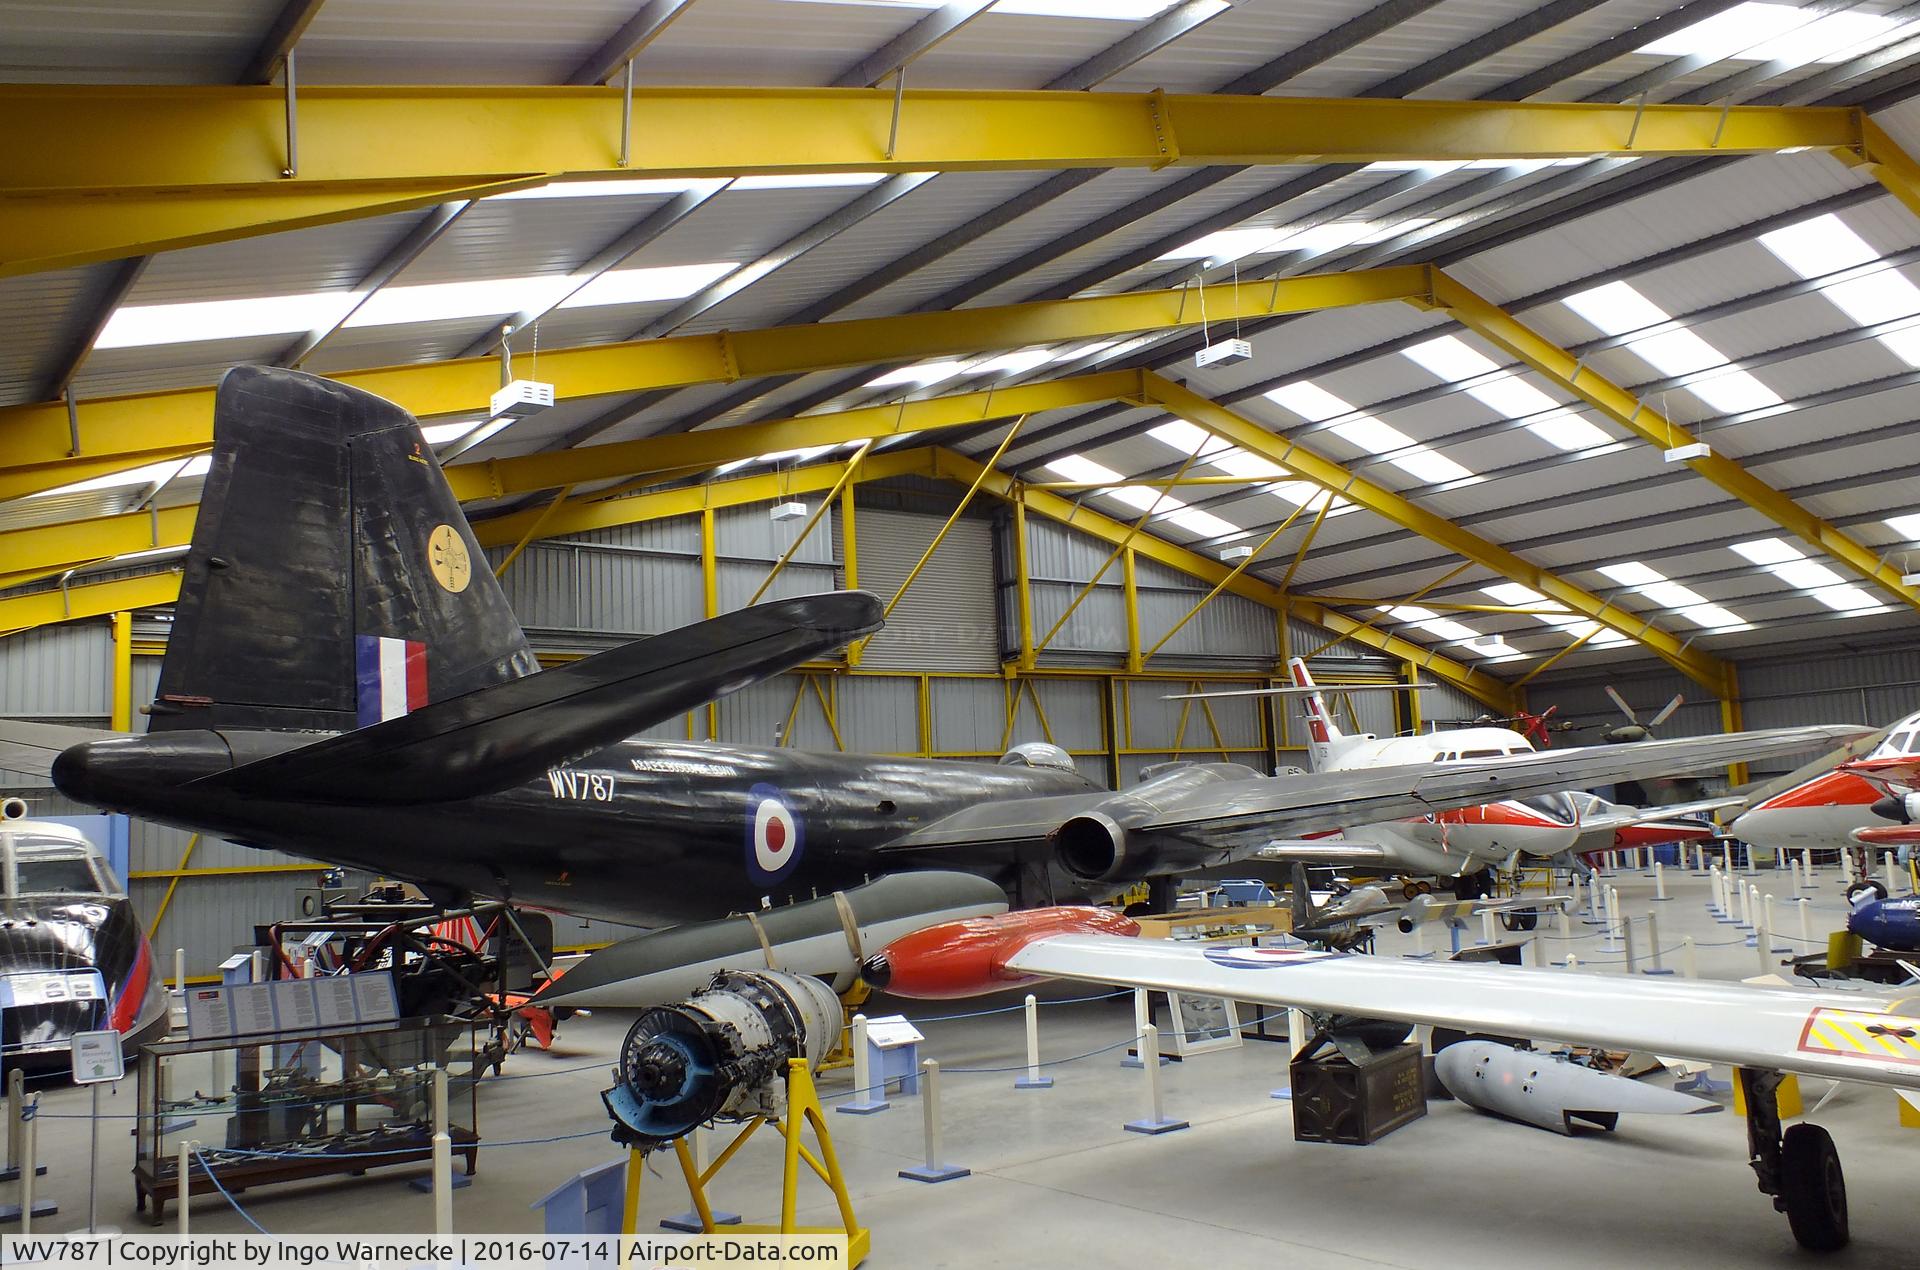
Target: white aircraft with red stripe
point(1469, 840)
point(1823, 812)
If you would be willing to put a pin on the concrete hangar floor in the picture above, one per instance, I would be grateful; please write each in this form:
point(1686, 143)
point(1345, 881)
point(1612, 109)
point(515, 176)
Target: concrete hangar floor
point(1057, 1182)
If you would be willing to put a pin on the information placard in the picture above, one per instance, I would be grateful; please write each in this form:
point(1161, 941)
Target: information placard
point(294, 1004)
point(252, 1008)
point(334, 998)
point(209, 1013)
point(891, 1031)
point(373, 996)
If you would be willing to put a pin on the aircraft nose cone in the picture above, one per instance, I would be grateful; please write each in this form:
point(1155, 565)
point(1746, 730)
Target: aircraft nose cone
point(78, 771)
point(877, 971)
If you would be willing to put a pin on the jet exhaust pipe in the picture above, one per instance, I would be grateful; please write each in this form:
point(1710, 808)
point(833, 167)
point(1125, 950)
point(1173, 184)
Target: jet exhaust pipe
point(721, 1054)
point(1092, 847)
point(1902, 809)
point(13, 809)
point(1553, 1093)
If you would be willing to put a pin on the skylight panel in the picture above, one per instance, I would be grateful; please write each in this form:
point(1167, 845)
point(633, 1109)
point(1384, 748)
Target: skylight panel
point(1251, 466)
point(1826, 39)
point(1849, 599)
point(1511, 396)
point(636, 286)
point(1451, 358)
point(920, 374)
point(1447, 628)
point(478, 297)
point(1512, 593)
point(1230, 244)
point(1713, 617)
point(1618, 309)
point(1805, 574)
point(807, 180)
point(437, 434)
point(150, 324)
point(1745, 31)
point(612, 189)
point(164, 472)
point(1769, 551)
point(1109, 10)
point(1185, 437)
point(1016, 363)
point(1824, 244)
point(1203, 523)
point(1430, 466)
point(1081, 470)
point(1371, 435)
point(1672, 595)
point(1568, 431)
point(1308, 400)
point(1907, 527)
point(1632, 573)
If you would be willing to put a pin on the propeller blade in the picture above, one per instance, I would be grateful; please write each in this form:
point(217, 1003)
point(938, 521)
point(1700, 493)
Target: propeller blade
point(1666, 711)
point(1621, 701)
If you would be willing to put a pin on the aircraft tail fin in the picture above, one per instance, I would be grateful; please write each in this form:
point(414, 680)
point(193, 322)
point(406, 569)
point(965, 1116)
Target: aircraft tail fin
point(1323, 735)
point(333, 581)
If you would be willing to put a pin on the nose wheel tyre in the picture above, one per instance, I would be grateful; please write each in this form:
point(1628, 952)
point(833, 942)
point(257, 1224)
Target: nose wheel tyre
point(1812, 1188)
point(1860, 888)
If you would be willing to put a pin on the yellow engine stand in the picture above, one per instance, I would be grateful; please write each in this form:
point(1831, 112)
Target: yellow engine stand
point(841, 1055)
point(1786, 1099)
point(803, 1109)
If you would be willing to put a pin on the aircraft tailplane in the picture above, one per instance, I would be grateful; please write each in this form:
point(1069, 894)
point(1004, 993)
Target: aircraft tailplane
point(1325, 740)
point(333, 581)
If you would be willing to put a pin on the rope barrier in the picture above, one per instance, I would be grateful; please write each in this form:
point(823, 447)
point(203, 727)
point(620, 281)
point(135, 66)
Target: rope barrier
point(224, 1192)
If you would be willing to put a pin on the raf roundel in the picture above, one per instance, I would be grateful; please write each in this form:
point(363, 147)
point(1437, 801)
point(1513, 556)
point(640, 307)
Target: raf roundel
point(774, 834)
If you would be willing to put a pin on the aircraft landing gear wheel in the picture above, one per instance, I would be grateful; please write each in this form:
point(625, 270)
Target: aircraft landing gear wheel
point(1473, 886)
point(1408, 890)
point(1812, 1188)
point(1860, 888)
point(1520, 921)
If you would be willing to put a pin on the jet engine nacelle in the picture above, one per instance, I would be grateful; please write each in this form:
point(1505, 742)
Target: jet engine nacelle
point(1900, 808)
point(1106, 843)
point(1092, 847)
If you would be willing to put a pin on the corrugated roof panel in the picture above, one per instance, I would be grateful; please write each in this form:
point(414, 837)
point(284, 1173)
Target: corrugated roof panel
point(362, 346)
point(324, 258)
point(1406, 45)
point(455, 41)
point(1004, 50)
point(111, 41)
point(1572, 36)
point(1111, 190)
point(770, 42)
point(517, 237)
point(902, 226)
point(131, 370)
point(1618, 233)
point(45, 314)
point(1239, 40)
point(1817, 423)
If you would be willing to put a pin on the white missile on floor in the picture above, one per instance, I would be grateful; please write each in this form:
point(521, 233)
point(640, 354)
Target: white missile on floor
point(1551, 1092)
point(1422, 909)
point(825, 937)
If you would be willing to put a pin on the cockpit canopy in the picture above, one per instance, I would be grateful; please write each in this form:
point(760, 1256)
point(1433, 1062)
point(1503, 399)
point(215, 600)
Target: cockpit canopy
point(1038, 754)
point(41, 863)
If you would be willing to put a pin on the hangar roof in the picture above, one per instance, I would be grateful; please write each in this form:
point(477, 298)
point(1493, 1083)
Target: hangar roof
point(1767, 305)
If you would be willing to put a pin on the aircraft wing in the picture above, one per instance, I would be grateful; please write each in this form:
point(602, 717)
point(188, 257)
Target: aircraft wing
point(510, 732)
point(1239, 817)
point(30, 748)
point(1869, 1037)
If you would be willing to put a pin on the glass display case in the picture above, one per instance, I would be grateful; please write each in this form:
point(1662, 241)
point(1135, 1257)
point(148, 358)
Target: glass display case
point(291, 1105)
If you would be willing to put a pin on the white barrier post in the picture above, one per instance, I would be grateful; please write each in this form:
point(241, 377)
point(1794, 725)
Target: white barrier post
point(1659, 880)
point(1893, 887)
point(1573, 962)
point(442, 1157)
point(1487, 935)
point(1689, 958)
point(1142, 1019)
point(16, 1105)
point(1659, 966)
point(1626, 933)
point(182, 1170)
point(1806, 862)
point(1806, 933)
point(1726, 858)
point(1771, 919)
point(29, 1165)
point(1738, 892)
point(866, 1098)
point(1566, 929)
point(1763, 939)
point(1033, 1079)
point(1156, 1120)
point(1617, 923)
point(933, 1169)
point(1753, 865)
point(179, 970)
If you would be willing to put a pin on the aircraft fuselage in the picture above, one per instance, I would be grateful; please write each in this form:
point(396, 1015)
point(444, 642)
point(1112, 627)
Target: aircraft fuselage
point(647, 832)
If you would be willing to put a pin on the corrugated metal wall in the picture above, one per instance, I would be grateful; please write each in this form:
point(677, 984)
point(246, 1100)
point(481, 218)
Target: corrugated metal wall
point(946, 620)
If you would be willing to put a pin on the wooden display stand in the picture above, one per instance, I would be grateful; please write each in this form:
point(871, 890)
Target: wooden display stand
point(803, 1109)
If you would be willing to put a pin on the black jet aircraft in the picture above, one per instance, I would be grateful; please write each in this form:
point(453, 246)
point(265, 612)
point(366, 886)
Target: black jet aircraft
point(345, 681)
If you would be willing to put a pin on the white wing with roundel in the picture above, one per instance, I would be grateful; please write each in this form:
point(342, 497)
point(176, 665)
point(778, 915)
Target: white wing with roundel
point(1844, 1035)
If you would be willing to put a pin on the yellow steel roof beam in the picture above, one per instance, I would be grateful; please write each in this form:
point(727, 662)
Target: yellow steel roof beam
point(36, 550)
point(1324, 472)
point(1499, 327)
point(91, 599)
point(36, 442)
point(1481, 685)
point(96, 172)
